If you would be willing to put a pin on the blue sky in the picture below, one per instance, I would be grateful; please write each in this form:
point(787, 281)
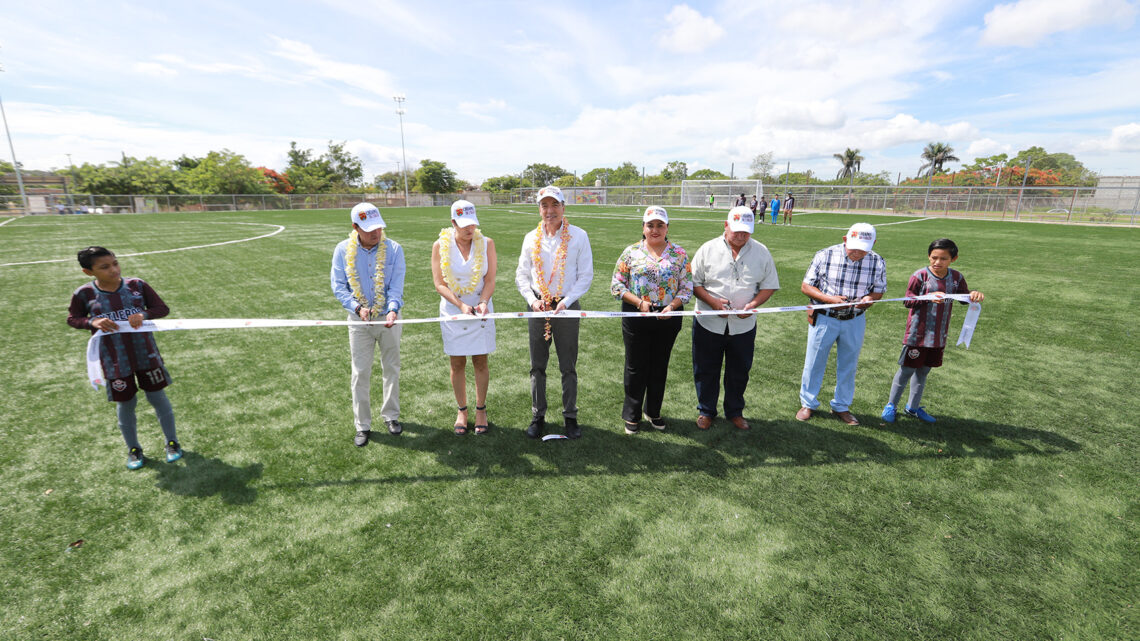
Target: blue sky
point(494, 86)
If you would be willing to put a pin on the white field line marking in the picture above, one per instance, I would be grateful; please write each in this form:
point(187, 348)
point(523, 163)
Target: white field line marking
point(280, 228)
point(9, 220)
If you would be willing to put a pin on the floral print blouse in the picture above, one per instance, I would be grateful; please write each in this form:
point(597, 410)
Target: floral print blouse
point(656, 280)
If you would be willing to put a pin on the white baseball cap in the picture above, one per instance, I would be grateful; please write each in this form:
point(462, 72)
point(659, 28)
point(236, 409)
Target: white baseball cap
point(741, 219)
point(861, 237)
point(463, 213)
point(367, 217)
point(655, 212)
point(550, 191)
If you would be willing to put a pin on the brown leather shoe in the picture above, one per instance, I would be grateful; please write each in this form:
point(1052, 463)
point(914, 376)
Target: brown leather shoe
point(704, 422)
point(846, 417)
point(804, 414)
point(739, 422)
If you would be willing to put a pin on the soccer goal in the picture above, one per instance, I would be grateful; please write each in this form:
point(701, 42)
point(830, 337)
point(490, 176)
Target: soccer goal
point(695, 193)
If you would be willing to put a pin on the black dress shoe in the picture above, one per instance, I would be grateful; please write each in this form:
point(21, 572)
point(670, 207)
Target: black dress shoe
point(572, 429)
point(394, 427)
point(361, 438)
point(537, 424)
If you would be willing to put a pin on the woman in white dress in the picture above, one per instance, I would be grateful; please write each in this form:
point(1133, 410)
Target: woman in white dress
point(463, 267)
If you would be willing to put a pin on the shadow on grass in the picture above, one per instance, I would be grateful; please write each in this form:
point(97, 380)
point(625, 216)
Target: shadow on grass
point(508, 453)
point(196, 475)
point(958, 437)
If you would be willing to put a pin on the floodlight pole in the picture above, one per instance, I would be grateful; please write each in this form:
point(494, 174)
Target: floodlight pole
point(400, 98)
point(15, 163)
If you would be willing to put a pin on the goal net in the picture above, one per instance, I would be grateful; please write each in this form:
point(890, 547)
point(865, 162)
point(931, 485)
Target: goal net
point(695, 193)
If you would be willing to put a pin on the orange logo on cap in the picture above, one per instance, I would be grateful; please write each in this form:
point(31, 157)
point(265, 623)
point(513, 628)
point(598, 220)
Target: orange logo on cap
point(363, 216)
point(736, 217)
point(854, 233)
point(459, 211)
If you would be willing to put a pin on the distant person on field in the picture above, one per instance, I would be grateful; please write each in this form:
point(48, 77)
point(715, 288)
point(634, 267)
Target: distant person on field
point(651, 276)
point(845, 273)
point(730, 272)
point(367, 278)
point(740, 202)
point(752, 205)
point(789, 204)
point(129, 360)
point(463, 268)
point(775, 204)
point(761, 209)
point(927, 324)
point(710, 201)
point(555, 269)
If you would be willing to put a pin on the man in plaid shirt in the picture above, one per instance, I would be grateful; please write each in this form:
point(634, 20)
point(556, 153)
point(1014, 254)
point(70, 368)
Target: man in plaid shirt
point(847, 272)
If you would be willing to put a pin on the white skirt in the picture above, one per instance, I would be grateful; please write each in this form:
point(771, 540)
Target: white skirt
point(467, 338)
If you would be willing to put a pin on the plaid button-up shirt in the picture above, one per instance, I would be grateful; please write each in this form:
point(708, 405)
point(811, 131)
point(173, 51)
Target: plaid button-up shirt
point(836, 275)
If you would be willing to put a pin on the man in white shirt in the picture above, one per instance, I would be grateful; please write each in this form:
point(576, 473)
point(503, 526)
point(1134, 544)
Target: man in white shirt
point(555, 270)
point(734, 272)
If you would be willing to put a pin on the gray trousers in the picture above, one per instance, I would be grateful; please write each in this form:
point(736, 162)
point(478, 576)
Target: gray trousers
point(362, 342)
point(564, 335)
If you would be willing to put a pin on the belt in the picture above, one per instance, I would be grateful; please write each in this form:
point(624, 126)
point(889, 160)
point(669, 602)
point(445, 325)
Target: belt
point(841, 313)
point(554, 300)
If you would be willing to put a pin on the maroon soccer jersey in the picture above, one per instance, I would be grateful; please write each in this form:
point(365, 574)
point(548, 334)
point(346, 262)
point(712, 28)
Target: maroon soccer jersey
point(121, 354)
point(928, 322)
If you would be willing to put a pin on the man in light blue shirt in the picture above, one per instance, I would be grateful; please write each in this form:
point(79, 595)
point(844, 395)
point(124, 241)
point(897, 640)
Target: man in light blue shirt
point(370, 294)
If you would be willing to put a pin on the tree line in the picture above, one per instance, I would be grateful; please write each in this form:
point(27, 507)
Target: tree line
point(337, 170)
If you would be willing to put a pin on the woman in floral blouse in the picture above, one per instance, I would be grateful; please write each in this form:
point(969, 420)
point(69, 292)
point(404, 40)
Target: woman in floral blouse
point(653, 277)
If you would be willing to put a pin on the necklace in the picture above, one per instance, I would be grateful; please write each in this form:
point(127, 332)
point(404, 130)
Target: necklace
point(446, 236)
point(354, 276)
point(559, 267)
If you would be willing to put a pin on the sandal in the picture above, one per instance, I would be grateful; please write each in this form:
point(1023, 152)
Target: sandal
point(460, 430)
point(481, 429)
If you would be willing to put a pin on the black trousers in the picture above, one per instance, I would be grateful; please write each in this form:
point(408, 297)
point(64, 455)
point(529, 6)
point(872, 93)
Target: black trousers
point(648, 347)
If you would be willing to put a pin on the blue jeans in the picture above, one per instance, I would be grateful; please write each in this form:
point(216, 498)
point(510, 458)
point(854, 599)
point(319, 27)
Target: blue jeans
point(847, 336)
point(709, 351)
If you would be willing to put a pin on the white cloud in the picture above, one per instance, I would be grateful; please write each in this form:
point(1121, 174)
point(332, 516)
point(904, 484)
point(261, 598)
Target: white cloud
point(482, 110)
point(153, 69)
point(321, 67)
point(1026, 22)
point(689, 31)
point(207, 67)
point(986, 147)
point(1124, 138)
point(353, 100)
point(802, 114)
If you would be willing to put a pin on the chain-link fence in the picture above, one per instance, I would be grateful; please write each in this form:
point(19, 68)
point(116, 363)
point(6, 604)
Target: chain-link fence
point(1111, 202)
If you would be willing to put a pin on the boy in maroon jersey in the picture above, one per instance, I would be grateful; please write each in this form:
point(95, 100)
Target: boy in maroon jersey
point(126, 358)
point(926, 327)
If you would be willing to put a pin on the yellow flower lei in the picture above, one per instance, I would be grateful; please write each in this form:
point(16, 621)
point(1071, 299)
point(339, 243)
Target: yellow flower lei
point(445, 237)
point(354, 277)
point(559, 267)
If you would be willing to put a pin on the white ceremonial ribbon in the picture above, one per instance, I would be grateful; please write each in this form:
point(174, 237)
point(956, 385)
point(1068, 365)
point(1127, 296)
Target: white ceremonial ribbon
point(95, 368)
point(969, 324)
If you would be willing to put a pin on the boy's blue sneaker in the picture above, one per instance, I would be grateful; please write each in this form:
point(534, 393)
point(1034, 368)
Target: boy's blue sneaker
point(173, 451)
point(920, 414)
point(134, 458)
point(889, 413)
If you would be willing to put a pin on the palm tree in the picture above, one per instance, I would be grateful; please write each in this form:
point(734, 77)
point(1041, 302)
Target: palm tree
point(851, 162)
point(936, 154)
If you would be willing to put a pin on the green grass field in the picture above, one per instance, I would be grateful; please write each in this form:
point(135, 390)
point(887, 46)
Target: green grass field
point(1013, 517)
